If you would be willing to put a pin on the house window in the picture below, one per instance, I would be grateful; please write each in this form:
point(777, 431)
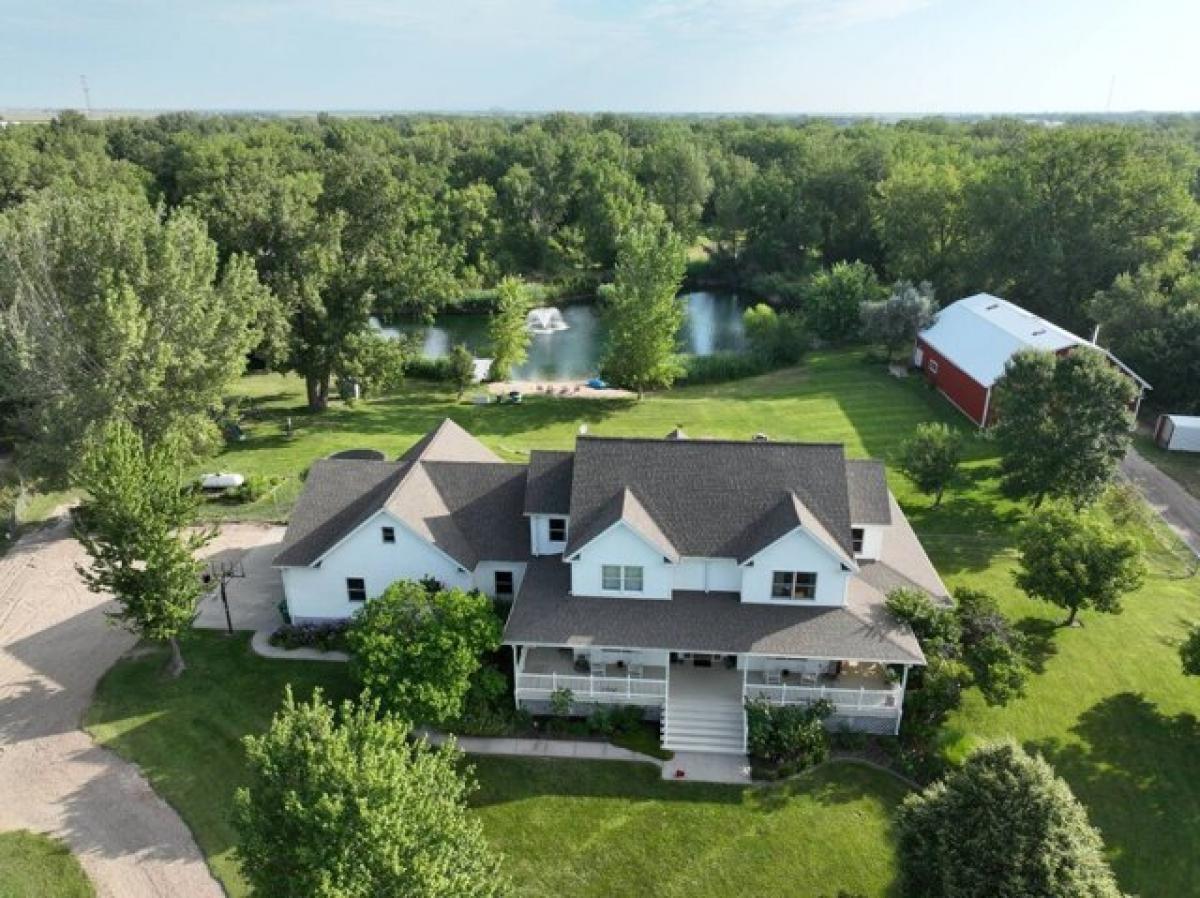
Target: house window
point(558, 530)
point(356, 589)
point(618, 578)
point(856, 539)
point(793, 585)
point(504, 584)
point(933, 366)
point(389, 534)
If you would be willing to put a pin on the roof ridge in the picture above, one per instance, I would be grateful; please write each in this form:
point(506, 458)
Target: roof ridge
point(706, 441)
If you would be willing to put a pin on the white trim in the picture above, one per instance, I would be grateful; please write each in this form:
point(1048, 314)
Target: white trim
point(657, 550)
point(842, 560)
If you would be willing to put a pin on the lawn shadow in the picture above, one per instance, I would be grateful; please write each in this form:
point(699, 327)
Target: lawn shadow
point(1138, 772)
point(1040, 645)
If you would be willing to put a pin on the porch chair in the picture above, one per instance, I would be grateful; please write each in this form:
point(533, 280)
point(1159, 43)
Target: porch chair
point(772, 678)
point(808, 678)
point(636, 671)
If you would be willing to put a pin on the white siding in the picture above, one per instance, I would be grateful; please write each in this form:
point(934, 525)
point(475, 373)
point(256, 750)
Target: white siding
point(620, 545)
point(320, 593)
point(539, 535)
point(485, 575)
point(797, 551)
point(872, 541)
point(708, 575)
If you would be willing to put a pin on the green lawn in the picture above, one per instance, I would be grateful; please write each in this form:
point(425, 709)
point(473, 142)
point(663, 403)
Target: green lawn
point(1107, 704)
point(37, 866)
point(565, 828)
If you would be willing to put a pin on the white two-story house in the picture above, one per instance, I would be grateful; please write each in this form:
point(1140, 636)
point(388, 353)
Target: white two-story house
point(681, 576)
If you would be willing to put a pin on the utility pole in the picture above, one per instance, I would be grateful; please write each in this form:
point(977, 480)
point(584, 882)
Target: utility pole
point(223, 572)
point(87, 95)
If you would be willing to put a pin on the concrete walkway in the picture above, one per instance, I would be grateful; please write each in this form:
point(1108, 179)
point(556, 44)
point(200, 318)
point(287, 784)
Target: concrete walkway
point(1179, 508)
point(707, 767)
point(541, 748)
point(55, 644)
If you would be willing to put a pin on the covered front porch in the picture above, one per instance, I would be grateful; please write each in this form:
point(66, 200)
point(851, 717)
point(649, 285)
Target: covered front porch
point(593, 675)
point(858, 690)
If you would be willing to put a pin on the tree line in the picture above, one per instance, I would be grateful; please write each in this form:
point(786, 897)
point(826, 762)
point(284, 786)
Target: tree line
point(213, 236)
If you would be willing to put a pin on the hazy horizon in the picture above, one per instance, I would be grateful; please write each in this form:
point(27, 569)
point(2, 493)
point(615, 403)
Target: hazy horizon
point(876, 58)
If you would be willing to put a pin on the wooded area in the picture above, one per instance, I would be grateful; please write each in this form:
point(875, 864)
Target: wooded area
point(1084, 223)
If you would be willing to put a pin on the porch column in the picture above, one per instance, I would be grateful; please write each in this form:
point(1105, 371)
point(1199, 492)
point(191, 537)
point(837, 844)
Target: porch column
point(516, 675)
point(900, 704)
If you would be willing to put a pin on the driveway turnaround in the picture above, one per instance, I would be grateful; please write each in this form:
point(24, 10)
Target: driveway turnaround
point(55, 643)
point(1179, 508)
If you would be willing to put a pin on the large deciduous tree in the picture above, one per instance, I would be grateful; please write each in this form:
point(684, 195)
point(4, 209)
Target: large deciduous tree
point(137, 528)
point(641, 308)
point(348, 805)
point(833, 298)
point(417, 646)
point(1077, 561)
point(1003, 825)
point(508, 330)
point(1063, 424)
point(112, 308)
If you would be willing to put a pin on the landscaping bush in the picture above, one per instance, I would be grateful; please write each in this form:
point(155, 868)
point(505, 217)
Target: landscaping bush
point(253, 488)
point(420, 367)
point(991, 646)
point(488, 707)
point(721, 367)
point(324, 637)
point(790, 738)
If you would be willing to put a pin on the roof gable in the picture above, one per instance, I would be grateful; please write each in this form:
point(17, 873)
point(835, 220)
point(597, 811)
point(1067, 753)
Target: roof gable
point(789, 516)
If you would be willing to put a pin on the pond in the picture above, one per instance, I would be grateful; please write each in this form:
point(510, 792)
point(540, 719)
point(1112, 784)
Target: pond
point(712, 323)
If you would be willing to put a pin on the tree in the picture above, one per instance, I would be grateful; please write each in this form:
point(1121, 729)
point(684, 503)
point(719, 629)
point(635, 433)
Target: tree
point(1076, 561)
point(375, 362)
point(641, 308)
point(1151, 321)
point(462, 368)
point(930, 457)
point(991, 646)
point(110, 308)
point(895, 322)
point(137, 528)
point(348, 805)
point(1063, 424)
point(920, 211)
point(417, 647)
point(1002, 825)
point(834, 296)
point(777, 338)
point(1189, 651)
point(508, 329)
point(676, 175)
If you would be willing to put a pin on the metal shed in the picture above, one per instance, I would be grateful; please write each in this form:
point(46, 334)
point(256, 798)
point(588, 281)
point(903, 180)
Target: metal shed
point(1178, 433)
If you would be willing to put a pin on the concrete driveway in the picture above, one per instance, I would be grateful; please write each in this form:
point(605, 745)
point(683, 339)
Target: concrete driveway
point(254, 594)
point(55, 643)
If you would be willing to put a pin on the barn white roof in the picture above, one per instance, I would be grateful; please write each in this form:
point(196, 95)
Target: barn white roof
point(979, 334)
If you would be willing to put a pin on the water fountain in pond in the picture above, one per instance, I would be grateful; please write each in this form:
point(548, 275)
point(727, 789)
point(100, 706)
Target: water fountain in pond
point(545, 321)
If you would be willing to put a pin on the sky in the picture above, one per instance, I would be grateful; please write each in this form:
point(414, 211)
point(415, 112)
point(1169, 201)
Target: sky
point(773, 56)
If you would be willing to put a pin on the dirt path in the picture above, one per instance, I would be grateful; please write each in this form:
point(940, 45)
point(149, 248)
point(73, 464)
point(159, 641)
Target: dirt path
point(55, 644)
point(1179, 508)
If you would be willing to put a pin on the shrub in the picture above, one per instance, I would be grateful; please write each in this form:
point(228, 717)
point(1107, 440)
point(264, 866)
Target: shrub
point(324, 637)
point(1002, 825)
point(253, 488)
point(991, 646)
point(424, 368)
point(791, 737)
point(419, 650)
point(777, 339)
point(937, 628)
point(721, 367)
point(1189, 652)
point(561, 700)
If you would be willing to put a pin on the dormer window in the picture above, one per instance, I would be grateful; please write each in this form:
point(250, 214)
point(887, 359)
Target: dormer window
point(856, 540)
point(558, 530)
point(796, 585)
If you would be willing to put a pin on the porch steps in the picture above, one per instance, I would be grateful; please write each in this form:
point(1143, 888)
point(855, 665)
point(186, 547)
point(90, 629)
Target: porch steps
point(703, 726)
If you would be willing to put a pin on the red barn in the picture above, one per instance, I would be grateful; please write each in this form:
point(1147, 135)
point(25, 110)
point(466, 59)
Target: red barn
point(964, 351)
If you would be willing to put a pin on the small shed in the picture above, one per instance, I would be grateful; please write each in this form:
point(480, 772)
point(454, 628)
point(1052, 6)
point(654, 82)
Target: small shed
point(1179, 433)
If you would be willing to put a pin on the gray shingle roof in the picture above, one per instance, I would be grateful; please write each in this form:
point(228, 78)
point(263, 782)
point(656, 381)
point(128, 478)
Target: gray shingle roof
point(708, 497)
point(866, 483)
point(549, 488)
point(340, 495)
point(544, 614)
point(625, 506)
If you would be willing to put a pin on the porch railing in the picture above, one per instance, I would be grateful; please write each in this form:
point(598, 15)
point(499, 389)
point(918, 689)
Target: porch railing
point(584, 687)
point(845, 700)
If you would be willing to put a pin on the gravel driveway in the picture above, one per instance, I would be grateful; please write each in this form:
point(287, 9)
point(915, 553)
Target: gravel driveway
point(55, 644)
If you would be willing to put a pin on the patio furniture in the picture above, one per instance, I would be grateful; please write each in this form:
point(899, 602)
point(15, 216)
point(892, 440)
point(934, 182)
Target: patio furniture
point(808, 678)
point(772, 678)
point(636, 671)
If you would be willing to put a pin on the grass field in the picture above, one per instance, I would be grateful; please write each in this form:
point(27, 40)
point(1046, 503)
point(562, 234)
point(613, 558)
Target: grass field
point(37, 866)
point(565, 828)
point(1107, 704)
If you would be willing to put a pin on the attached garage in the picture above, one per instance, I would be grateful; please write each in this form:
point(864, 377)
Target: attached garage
point(963, 353)
point(1179, 433)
